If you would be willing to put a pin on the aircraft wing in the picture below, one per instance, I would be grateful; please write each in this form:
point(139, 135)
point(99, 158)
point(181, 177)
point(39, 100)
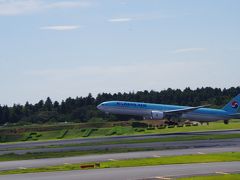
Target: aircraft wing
point(185, 110)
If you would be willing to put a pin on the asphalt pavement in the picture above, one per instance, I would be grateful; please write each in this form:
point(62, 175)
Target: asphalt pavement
point(8, 165)
point(133, 173)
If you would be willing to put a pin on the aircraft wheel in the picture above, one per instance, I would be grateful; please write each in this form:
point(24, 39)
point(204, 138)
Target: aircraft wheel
point(226, 121)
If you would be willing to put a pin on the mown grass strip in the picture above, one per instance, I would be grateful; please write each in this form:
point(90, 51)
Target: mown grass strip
point(184, 159)
point(213, 177)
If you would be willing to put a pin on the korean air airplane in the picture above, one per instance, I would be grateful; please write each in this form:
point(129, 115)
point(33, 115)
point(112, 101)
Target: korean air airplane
point(173, 112)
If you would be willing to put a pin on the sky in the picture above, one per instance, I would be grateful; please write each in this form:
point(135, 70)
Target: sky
point(69, 48)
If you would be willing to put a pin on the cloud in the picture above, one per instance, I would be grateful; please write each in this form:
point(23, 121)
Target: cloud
point(120, 20)
point(148, 16)
point(188, 50)
point(68, 4)
point(17, 7)
point(61, 28)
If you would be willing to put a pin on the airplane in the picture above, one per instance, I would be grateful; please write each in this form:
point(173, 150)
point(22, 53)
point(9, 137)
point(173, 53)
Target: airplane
point(174, 113)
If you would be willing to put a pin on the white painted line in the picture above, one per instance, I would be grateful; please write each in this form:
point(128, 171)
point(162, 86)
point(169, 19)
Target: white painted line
point(201, 153)
point(67, 164)
point(158, 177)
point(112, 160)
point(224, 173)
point(163, 178)
point(156, 156)
point(22, 168)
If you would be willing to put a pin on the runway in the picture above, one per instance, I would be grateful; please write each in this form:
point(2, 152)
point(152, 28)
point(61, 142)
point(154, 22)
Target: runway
point(133, 173)
point(9, 146)
point(153, 146)
point(8, 165)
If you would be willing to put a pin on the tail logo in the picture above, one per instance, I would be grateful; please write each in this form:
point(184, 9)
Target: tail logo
point(235, 104)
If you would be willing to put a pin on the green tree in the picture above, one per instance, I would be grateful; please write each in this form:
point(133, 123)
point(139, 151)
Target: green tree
point(48, 104)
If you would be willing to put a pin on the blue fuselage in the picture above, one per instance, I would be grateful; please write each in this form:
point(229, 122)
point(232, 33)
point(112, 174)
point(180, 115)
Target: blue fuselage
point(146, 109)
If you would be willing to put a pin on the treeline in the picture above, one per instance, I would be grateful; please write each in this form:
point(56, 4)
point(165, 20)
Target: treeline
point(83, 109)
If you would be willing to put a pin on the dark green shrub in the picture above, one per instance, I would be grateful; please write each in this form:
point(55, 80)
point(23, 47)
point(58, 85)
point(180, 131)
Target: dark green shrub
point(111, 132)
point(139, 125)
point(151, 128)
point(139, 130)
point(162, 127)
point(63, 134)
point(87, 132)
point(3, 138)
point(180, 125)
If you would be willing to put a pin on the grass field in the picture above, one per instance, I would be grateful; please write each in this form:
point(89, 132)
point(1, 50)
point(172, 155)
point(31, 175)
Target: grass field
point(214, 177)
point(113, 131)
point(184, 159)
point(205, 158)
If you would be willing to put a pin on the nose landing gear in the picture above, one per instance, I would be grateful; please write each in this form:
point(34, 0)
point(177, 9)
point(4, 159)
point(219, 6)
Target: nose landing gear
point(225, 121)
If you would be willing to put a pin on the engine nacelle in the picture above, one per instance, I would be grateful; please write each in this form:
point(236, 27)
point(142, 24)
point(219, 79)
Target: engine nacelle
point(157, 115)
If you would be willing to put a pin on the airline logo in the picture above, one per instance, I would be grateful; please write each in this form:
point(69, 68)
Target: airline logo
point(235, 104)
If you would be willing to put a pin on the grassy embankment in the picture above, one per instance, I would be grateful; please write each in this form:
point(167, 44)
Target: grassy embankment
point(205, 158)
point(33, 134)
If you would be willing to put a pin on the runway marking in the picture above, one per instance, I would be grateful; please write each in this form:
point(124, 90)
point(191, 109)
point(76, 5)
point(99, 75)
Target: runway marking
point(164, 178)
point(22, 168)
point(156, 156)
point(67, 164)
point(112, 160)
point(224, 173)
point(201, 153)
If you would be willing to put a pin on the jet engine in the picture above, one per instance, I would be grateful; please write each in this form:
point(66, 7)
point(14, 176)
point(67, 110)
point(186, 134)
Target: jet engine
point(157, 115)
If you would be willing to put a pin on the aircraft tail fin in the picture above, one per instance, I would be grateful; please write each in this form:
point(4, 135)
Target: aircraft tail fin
point(233, 106)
